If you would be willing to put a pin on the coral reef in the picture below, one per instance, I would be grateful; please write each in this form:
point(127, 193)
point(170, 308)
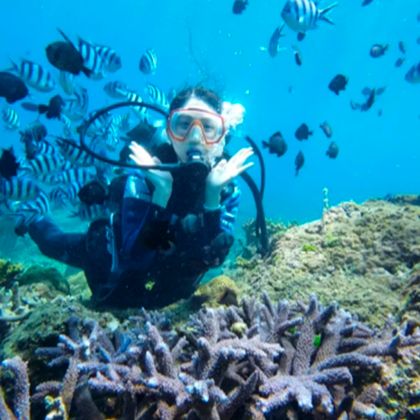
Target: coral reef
point(358, 255)
point(9, 271)
point(287, 361)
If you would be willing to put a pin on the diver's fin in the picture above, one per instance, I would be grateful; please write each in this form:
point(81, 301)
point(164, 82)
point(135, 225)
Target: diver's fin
point(30, 106)
point(323, 13)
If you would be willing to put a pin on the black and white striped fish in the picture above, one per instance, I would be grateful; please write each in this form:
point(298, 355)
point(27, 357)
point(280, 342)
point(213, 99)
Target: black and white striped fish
point(66, 81)
point(76, 107)
point(111, 61)
point(18, 188)
point(40, 205)
point(304, 15)
point(10, 118)
point(116, 89)
point(148, 62)
point(81, 176)
point(73, 153)
point(64, 194)
point(157, 96)
point(140, 111)
point(34, 75)
point(44, 164)
point(91, 59)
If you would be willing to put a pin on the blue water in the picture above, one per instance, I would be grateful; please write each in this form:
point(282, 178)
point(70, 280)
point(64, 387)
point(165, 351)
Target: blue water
point(202, 38)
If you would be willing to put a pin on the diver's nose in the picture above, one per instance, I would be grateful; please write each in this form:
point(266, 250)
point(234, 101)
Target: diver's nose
point(195, 135)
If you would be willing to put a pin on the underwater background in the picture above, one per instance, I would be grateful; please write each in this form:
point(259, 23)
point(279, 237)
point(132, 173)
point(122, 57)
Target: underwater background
point(203, 41)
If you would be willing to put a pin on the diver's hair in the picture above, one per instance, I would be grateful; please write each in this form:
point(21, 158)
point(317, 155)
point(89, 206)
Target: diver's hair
point(208, 96)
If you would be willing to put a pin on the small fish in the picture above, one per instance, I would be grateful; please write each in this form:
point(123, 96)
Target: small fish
point(413, 74)
point(299, 161)
point(36, 131)
point(366, 2)
point(297, 55)
point(148, 62)
point(8, 164)
point(273, 45)
point(332, 151)
point(399, 62)
point(326, 128)
point(110, 58)
point(378, 50)
point(10, 118)
point(63, 55)
point(371, 94)
point(304, 15)
point(12, 88)
point(116, 89)
point(303, 132)
point(239, 6)
point(401, 47)
point(93, 192)
point(276, 144)
point(52, 110)
point(91, 59)
point(157, 96)
point(338, 83)
point(34, 75)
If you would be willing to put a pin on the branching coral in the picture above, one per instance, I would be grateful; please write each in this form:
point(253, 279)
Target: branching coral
point(253, 361)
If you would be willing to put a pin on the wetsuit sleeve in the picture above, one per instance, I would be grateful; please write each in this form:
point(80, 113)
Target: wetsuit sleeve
point(69, 248)
point(205, 239)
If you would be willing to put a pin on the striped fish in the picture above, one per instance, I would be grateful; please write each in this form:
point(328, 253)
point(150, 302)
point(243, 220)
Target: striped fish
point(43, 164)
point(35, 75)
point(304, 15)
point(157, 96)
point(111, 61)
point(10, 118)
point(18, 188)
point(140, 111)
point(148, 62)
point(116, 89)
point(91, 59)
point(66, 81)
point(40, 205)
point(81, 176)
point(73, 153)
point(77, 106)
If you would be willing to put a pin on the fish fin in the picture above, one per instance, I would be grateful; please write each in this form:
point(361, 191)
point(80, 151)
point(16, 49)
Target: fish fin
point(323, 13)
point(30, 106)
point(66, 38)
point(87, 72)
point(14, 67)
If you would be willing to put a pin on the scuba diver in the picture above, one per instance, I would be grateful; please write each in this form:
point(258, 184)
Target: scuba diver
point(167, 228)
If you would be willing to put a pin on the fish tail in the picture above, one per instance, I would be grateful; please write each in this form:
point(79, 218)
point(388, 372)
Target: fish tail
point(323, 13)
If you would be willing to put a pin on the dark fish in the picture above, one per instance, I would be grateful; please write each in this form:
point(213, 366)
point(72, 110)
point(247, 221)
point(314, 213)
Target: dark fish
point(93, 193)
point(326, 128)
point(298, 57)
point(52, 110)
point(338, 83)
point(276, 144)
point(35, 131)
point(273, 45)
point(8, 164)
point(239, 6)
point(303, 132)
point(63, 55)
point(378, 50)
point(401, 47)
point(413, 74)
point(399, 62)
point(12, 88)
point(371, 97)
point(366, 2)
point(299, 161)
point(148, 62)
point(333, 150)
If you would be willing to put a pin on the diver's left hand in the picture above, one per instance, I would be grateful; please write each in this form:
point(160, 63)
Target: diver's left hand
point(223, 173)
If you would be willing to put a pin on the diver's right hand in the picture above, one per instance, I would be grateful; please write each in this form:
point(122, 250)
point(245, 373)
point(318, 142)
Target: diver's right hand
point(161, 180)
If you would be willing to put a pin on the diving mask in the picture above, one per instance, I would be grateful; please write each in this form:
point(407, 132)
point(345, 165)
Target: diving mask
point(182, 120)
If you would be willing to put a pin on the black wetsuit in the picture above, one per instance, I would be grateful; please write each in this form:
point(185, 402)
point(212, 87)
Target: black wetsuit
point(144, 255)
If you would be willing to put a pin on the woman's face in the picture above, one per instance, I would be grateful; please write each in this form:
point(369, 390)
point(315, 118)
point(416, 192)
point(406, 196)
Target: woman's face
point(191, 132)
